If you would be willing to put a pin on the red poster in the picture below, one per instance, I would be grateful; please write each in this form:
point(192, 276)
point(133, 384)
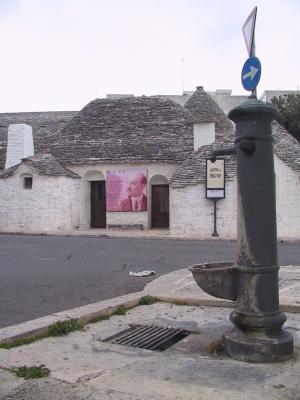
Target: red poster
point(126, 190)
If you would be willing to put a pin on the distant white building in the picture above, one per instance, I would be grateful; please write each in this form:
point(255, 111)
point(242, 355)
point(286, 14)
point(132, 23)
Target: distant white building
point(223, 97)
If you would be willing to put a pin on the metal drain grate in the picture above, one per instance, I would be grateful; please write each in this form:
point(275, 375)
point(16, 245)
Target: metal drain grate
point(148, 337)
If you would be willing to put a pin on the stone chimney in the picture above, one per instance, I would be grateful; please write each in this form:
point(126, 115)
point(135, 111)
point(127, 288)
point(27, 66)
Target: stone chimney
point(205, 113)
point(204, 133)
point(19, 144)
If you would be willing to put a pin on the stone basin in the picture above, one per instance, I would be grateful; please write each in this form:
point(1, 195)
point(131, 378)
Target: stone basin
point(216, 279)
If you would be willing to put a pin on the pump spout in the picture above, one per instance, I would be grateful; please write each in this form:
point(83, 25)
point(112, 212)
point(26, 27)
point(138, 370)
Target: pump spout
point(224, 151)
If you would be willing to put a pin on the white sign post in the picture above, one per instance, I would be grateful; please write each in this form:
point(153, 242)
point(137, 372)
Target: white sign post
point(249, 36)
point(248, 32)
point(215, 185)
point(215, 179)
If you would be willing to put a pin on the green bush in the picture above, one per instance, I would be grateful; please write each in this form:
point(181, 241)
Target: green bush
point(121, 310)
point(147, 300)
point(62, 328)
point(34, 372)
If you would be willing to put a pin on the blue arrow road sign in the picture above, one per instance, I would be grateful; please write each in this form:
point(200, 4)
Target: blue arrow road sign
point(251, 73)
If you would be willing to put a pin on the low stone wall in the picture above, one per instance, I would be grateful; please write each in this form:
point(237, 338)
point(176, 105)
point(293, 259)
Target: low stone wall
point(126, 227)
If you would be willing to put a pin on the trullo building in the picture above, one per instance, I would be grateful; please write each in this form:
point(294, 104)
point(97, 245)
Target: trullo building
point(130, 163)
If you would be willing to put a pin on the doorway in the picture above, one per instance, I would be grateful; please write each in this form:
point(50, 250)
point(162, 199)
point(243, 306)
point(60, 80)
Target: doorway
point(160, 206)
point(98, 204)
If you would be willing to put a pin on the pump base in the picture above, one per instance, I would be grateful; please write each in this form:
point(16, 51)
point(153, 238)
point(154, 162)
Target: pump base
point(257, 346)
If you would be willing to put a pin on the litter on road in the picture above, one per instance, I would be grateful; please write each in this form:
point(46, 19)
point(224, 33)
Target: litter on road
point(142, 273)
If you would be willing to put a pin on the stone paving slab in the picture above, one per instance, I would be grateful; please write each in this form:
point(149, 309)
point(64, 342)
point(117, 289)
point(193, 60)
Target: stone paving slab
point(191, 379)
point(84, 367)
point(8, 383)
point(52, 389)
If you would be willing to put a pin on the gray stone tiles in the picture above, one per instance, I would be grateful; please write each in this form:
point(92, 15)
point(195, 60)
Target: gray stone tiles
point(43, 124)
point(136, 129)
point(42, 164)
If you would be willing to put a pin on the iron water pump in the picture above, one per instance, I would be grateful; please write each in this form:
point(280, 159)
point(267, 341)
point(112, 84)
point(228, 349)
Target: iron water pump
point(257, 335)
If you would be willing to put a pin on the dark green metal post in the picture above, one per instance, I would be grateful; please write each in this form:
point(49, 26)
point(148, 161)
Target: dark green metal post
point(215, 233)
point(258, 334)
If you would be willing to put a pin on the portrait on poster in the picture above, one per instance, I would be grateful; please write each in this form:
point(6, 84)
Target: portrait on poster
point(126, 190)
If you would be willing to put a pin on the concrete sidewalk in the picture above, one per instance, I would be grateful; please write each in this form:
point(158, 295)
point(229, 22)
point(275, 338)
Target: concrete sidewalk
point(111, 233)
point(154, 233)
point(84, 367)
point(181, 286)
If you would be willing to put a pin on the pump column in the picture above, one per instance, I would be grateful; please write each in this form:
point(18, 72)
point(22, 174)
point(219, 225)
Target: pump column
point(258, 335)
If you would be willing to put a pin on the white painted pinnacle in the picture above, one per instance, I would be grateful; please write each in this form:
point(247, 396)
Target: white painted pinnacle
point(19, 144)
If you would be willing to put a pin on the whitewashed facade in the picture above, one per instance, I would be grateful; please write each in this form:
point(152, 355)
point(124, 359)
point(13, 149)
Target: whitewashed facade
point(51, 205)
point(59, 198)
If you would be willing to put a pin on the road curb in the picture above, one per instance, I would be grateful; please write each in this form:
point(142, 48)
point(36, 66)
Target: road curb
point(133, 235)
point(83, 314)
point(107, 308)
point(109, 235)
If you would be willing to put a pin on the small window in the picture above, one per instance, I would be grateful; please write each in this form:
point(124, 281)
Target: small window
point(28, 183)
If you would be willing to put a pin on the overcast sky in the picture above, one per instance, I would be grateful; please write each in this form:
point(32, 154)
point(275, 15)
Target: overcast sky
point(61, 54)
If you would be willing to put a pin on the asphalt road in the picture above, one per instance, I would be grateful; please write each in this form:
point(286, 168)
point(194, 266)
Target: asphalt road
point(41, 275)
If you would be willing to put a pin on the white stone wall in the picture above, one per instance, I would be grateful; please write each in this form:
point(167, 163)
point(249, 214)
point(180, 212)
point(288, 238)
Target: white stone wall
point(193, 215)
point(60, 203)
point(52, 204)
point(288, 201)
point(19, 144)
point(94, 172)
point(204, 133)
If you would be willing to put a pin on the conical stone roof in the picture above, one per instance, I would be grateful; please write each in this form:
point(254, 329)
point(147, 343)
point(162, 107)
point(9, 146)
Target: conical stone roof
point(202, 107)
point(133, 129)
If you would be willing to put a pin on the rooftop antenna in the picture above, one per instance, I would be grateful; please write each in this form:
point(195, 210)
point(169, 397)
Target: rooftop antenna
point(182, 74)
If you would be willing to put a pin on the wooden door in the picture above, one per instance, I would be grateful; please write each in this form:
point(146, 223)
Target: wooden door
point(160, 206)
point(98, 204)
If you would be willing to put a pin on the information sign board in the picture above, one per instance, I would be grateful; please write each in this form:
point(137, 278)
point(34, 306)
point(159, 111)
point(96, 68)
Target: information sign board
point(215, 179)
